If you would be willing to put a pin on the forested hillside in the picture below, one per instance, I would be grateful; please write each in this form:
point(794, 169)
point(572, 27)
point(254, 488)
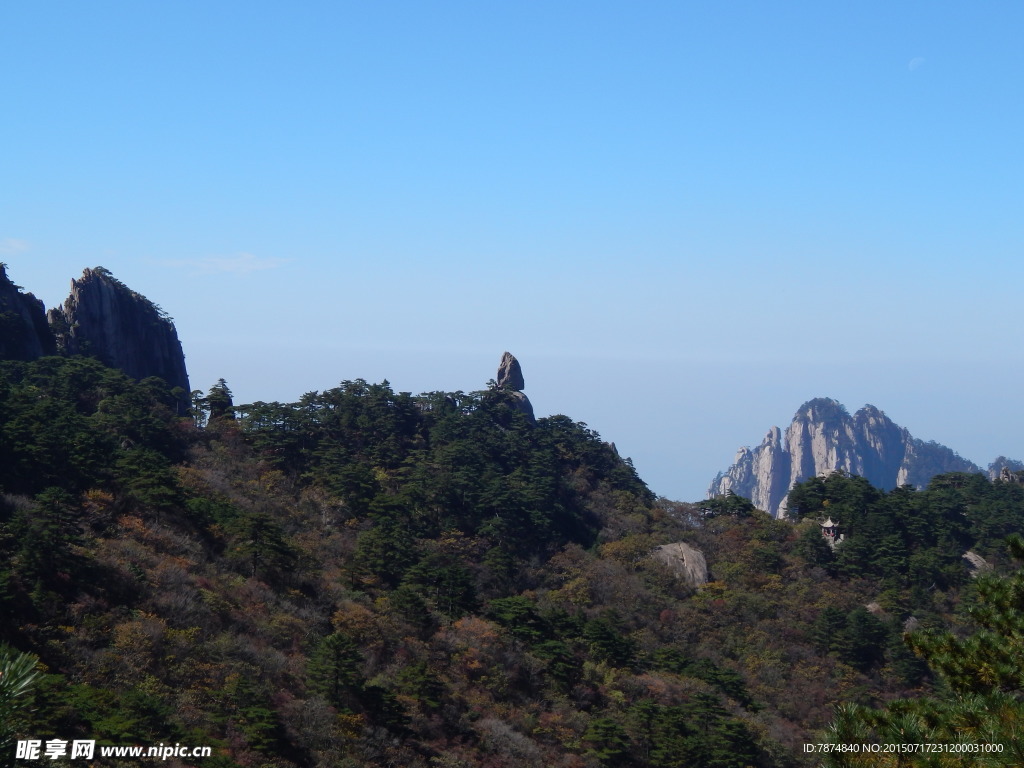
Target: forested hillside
point(371, 578)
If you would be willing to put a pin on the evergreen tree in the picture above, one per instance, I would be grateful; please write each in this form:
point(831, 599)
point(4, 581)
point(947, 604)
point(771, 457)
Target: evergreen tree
point(18, 674)
point(334, 670)
point(979, 699)
point(218, 401)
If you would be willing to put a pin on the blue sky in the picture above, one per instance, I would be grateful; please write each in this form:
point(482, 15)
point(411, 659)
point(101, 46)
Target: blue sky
point(685, 219)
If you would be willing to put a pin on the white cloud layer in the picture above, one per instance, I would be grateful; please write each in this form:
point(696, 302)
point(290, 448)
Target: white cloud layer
point(241, 264)
point(13, 245)
point(915, 63)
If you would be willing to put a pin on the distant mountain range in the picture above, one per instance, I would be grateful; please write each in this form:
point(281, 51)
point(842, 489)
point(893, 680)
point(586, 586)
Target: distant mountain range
point(822, 438)
point(105, 319)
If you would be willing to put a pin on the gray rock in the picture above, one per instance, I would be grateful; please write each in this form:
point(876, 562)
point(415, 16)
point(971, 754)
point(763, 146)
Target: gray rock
point(824, 438)
point(976, 564)
point(761, 475)
point(686, 562)
point(1006, 470)
point(522, 403)
point(510, 375)
point(105, 319)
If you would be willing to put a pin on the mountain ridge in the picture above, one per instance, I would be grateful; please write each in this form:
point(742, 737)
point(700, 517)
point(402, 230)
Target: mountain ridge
point(822, 438)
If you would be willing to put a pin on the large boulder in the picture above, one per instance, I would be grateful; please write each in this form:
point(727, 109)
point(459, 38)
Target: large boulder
point(684, 561)
point(976, 564)
point(522, 403)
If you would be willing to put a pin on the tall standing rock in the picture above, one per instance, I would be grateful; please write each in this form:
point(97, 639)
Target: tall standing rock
point(105, 319)
point(824, 438)
point(510, 379)
point(24, 333)
point(510, 373)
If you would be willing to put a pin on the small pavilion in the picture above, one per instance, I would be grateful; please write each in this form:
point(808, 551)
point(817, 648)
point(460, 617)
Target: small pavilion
point(830, 532)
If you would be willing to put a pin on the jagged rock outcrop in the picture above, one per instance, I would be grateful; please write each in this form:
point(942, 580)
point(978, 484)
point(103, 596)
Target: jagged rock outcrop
point(1006, 470)
point(823, 438)
point(24, 333)
point(105, 319)
point(686, 562)
point(510, 378)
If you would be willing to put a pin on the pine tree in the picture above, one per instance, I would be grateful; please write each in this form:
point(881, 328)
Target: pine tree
point(335, 670)
point(18, 675)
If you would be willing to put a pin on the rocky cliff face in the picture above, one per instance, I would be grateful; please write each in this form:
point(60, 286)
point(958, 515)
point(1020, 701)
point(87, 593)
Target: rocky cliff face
point(104, 318)
point(823, 438)
point(1003, 468)
point(24, 333)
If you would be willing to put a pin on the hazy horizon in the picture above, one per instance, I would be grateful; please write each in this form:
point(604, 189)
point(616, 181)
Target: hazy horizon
point(685, 220)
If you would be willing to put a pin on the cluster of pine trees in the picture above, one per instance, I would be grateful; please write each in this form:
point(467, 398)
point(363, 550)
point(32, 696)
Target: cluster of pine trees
point(368, 578)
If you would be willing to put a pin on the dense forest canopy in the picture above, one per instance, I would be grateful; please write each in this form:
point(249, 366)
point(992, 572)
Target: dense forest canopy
point(367, 578)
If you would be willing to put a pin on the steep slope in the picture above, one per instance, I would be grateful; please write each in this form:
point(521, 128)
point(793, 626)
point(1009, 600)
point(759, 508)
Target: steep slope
point(823, 438)
point(366, 578)
point(104, 318)
point(24, 334)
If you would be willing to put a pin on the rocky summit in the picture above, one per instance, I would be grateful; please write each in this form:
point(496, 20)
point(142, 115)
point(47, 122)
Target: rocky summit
point(102, 318)
point(510, 378)
point(824, 438)
point(24, 334)
point(105, 319)
point(510, 373)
